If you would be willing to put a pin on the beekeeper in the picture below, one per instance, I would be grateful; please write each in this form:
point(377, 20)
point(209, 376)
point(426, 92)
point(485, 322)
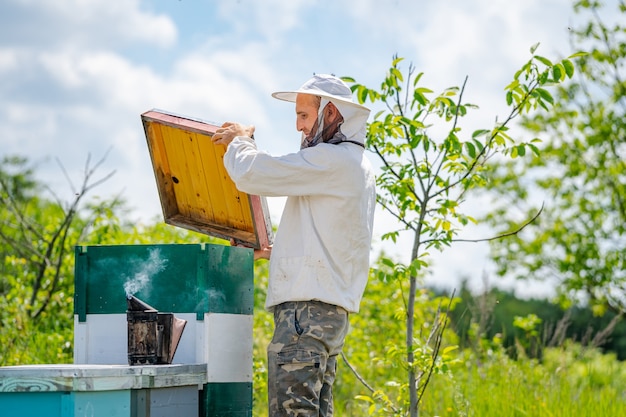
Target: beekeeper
point(319, 262)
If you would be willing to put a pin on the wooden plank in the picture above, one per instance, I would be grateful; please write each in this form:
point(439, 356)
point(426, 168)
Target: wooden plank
point(261, 217)
point(162, 170)
point(50, 378)
point(211, 159)
point(197, 189)
point(34, 384)
point(207, 202)
point(179, 169)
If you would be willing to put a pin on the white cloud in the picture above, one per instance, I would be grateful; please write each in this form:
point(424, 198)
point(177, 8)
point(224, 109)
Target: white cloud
point(271, 18)
point(84, 22)
point(8, 60)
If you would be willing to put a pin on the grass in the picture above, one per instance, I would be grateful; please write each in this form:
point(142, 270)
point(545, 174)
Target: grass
point(569, 382)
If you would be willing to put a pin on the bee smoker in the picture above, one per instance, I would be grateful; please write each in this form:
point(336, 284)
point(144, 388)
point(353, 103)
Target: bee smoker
point(153, 337)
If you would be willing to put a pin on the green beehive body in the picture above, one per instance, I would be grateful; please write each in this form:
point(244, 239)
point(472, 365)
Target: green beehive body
point(193, 278)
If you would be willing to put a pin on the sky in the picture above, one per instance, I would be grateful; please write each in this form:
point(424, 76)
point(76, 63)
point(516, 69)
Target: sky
point(75, 76)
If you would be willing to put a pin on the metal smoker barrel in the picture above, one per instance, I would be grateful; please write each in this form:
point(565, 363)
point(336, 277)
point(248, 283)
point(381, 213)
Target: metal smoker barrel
point(142, 332)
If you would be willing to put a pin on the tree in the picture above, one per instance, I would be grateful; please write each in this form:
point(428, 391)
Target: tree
point(425, 179)
point(579, 241)
point(36, 240)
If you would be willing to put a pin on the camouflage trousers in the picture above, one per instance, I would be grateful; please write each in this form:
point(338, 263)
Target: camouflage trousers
point(302, 358)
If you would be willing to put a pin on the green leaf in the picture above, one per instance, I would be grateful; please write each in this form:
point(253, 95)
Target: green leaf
point(397, 74)
point(415, 141)
point(393, 236)
point(471, 149)
point(388, 262)
point(364, 398)
point(396, 61)
point(578, 55)
point(543, 60)
point(545, 94)
point(534, 149)
point(362, 94)
point(513, 85)
point(534, 48)
point(417, 78)
point(479, 145)
point(479, 133)
point(557, 74)
point(543, 78)
point(419, 97)
point(509, 98)
point(569, 67)
point(449, 349)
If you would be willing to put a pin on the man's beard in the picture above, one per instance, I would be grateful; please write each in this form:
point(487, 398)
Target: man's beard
point(321, 133)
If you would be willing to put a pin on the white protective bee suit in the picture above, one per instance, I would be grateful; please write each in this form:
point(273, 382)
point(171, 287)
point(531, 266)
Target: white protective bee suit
point(321, 249)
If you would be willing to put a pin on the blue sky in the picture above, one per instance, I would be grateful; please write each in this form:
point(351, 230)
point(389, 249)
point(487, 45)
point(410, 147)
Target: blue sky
point(75, 75)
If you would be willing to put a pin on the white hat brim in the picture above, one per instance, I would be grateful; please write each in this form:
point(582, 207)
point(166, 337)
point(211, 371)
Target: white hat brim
point(291, 97)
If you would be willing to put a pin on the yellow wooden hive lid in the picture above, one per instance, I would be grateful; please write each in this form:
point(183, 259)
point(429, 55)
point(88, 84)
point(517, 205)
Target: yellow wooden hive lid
point(195, 190)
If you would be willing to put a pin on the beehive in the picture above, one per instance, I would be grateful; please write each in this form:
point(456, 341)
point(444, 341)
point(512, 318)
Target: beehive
point(195, 190)
point(211, 286)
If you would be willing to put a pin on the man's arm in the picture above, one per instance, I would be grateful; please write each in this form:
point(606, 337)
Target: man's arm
point(223, 136)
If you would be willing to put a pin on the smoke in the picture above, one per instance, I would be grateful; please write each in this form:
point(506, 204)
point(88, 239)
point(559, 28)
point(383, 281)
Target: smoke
point(213, 296)
point(145, 270)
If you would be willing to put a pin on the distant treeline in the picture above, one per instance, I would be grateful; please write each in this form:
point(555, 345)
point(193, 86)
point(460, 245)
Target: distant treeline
point(492, 314)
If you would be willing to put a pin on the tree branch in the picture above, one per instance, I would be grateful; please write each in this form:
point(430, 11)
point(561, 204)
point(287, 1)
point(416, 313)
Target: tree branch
point(437, 334)
point(513, 233)
point(364, 382)
point(513, 114)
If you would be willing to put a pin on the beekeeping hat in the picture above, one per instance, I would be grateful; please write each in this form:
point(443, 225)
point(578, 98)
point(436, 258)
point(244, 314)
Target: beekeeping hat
point(325, 86)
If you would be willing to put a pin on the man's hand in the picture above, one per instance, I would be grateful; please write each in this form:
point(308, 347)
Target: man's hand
point(264, 253)
point(229, 130)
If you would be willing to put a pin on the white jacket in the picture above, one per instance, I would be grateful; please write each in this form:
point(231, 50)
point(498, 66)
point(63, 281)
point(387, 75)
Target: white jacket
point(321, 249)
